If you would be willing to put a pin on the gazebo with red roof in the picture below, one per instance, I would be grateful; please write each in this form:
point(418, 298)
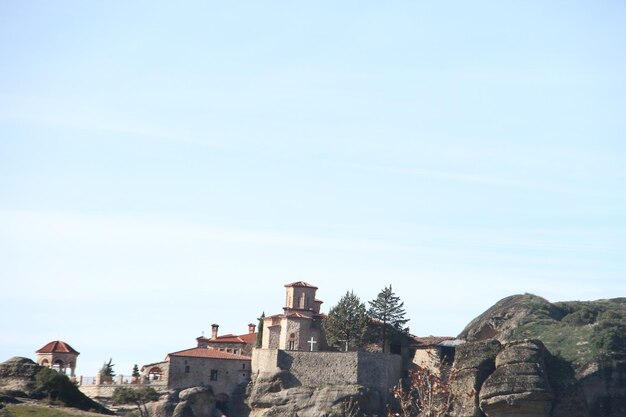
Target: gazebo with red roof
point(58, 355)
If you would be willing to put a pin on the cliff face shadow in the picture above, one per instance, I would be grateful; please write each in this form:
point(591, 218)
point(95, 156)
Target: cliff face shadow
point(569, 395)
point(605, 388)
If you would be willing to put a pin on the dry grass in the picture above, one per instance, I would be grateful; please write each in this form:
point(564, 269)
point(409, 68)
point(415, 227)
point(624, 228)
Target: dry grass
point(30, 410)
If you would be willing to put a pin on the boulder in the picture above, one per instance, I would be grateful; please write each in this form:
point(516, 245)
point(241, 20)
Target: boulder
point(278, 395)
point(191, 402)
point(473, 363)
point(519, 385)
point(17, 376)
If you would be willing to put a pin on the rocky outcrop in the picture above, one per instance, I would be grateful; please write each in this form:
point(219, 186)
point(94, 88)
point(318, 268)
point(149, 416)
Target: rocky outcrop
point(191, 402)
point(502, 319)
point(584, 357)
point(280, 395)
point(518, 378)
point(518, 387)
point(604, 384)
point(17, 376)
point(473, 364)
point(21, 378)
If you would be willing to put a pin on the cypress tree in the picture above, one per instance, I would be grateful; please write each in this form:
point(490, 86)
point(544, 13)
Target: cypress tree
point(259, 335)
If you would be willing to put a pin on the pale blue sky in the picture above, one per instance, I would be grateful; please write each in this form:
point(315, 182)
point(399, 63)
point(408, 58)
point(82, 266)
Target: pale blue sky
point(166, 167)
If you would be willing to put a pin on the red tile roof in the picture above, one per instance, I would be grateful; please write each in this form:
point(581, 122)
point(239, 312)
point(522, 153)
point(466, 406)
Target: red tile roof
point(209, 353)
point(300, 284)
point(231, 338)
point(249, 337)
point(57, 346)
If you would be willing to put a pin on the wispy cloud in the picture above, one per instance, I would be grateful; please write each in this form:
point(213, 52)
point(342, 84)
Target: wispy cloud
point(484, 180)
point(154, 231)
point(84, 117)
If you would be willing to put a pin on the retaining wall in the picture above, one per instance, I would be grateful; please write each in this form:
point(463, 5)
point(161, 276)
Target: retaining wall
point(380, 371)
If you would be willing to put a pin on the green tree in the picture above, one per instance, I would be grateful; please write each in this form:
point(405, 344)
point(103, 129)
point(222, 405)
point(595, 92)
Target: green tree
point(53, 384)
point(139, 397)
point(259, 334)
point(136, 373)
point(609, 333)
point(388, 310)
point(106, 372)
point(347, 324)
point(58, 388)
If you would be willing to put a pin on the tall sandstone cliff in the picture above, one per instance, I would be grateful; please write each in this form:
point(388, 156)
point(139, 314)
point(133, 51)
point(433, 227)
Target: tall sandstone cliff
point(527, 357)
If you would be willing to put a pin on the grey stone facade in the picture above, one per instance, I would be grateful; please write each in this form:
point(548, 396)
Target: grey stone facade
point(380, 371)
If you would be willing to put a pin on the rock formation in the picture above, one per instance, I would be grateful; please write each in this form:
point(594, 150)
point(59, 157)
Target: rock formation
point(574, 367)
point(17, 376)
point(473, 364)
point(191, 402)
point(519, 384)
point(279, 395)
point(21, 378)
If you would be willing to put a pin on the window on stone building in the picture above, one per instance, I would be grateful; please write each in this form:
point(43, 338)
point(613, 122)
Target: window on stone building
point(244, 366)
point(236, 351)
point(186, 369)
point(213, 374)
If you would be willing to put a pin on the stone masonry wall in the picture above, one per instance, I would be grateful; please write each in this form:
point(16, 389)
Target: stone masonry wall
point(315, 369)
point(379, 370)
point(106, 391)
point(320, 368)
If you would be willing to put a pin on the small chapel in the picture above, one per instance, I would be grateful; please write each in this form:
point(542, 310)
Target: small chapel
point(59, 356)
point(299, 327)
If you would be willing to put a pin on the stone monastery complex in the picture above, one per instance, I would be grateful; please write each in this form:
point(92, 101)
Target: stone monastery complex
point(292, 341)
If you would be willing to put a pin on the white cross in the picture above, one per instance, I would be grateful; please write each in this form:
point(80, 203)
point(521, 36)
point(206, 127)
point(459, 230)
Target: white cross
point(312, 342)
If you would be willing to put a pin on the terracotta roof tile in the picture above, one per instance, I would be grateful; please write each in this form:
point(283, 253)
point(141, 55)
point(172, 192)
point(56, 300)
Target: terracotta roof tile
point(300, 284)
point(209, 353)
point(249, 338)
point(230, 338)
point(57, 346)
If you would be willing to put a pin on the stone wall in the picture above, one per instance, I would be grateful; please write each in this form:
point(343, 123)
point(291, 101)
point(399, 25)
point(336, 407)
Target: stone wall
point(320, 368)
point(271, 337)
point(106, 390)
point(380, 371)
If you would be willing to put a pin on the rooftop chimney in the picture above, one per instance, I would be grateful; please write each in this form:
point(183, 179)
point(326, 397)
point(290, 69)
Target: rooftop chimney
point(251, 327)
point(214, 328)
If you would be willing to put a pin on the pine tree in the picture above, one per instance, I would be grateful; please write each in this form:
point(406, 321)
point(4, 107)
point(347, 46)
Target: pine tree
point(389, 311)
point(346, 324)
point(107, 369)
point(136, 373)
